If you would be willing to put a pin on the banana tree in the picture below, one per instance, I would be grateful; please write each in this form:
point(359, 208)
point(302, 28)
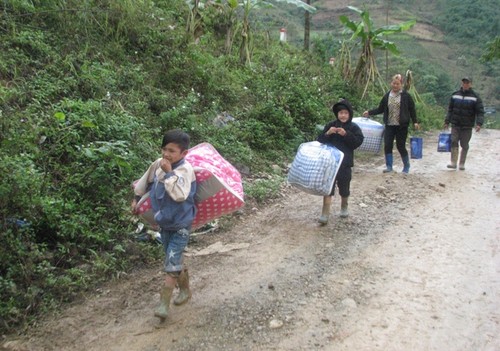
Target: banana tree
point(344, 61)
point(371, 38)
point(194, 23)
point(227, 19)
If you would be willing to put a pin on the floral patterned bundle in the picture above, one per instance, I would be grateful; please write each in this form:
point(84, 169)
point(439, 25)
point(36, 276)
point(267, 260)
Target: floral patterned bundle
point(219, 187)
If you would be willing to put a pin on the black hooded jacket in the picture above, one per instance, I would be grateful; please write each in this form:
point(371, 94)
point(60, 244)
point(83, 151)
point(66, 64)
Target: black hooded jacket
point(348, 143)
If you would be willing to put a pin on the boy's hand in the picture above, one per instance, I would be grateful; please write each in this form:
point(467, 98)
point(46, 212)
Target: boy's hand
point(165, 165)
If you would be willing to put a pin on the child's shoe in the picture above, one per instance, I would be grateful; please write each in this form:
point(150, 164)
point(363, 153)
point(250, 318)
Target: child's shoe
point(184, 291)
point(162, 310)
point(323, 219)
point(344, 213)
point(343, 208)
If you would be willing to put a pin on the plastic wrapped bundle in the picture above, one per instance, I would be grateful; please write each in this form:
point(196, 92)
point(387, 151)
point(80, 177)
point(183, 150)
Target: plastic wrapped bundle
point(315, 167)
point(219, 187)
point(372, 131)
point(145, 211)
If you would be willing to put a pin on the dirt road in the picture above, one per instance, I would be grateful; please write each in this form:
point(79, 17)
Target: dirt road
point(416, 266)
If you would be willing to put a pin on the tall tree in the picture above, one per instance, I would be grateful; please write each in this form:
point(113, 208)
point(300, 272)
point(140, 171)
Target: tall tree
point(307, 27)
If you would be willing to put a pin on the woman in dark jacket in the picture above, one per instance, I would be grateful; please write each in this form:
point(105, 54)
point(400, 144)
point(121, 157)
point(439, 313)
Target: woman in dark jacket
point(346, 136)
point(398, 108)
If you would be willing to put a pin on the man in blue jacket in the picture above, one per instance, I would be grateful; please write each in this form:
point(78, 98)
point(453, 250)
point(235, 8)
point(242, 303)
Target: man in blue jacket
point(465, 111)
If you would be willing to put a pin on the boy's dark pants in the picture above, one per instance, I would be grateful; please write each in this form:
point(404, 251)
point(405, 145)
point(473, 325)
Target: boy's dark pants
point(343, 181)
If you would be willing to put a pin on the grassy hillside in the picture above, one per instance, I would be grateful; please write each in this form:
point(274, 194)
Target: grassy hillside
point(87, 88)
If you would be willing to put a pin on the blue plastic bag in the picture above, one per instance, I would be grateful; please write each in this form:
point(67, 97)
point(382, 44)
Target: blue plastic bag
point(444, 142)
point(416, 144)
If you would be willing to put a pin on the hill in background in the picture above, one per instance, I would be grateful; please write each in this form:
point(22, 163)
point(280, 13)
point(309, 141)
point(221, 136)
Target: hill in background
point(429, 47)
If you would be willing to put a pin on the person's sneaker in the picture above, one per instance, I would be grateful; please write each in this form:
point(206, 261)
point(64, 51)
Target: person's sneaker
point(452, 166)
point(323, 220)
point(461, 167)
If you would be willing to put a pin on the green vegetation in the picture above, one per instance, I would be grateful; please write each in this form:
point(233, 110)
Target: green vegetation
point(493, 50)
point(469, 21)
point(474, 28)
point(86, 90)
point(371, 38)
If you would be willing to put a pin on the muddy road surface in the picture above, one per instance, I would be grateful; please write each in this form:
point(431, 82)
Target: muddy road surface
point(416, 266)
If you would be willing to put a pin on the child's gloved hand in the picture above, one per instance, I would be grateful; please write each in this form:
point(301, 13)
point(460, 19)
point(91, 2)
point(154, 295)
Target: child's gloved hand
point(334, 130)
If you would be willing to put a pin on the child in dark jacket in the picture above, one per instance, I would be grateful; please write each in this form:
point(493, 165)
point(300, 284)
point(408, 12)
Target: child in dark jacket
point(346, 136)
point(173, 186)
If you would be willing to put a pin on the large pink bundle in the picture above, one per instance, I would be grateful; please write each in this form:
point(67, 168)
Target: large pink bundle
point(219, 187)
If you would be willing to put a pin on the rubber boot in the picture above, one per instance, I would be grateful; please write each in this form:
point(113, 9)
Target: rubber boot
point(325, 212)
point(343, 208)
point(454, 157)
point(184, 291)
point(165, 296)
point(406, 164)
point(463, 157)
point(388, 163)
